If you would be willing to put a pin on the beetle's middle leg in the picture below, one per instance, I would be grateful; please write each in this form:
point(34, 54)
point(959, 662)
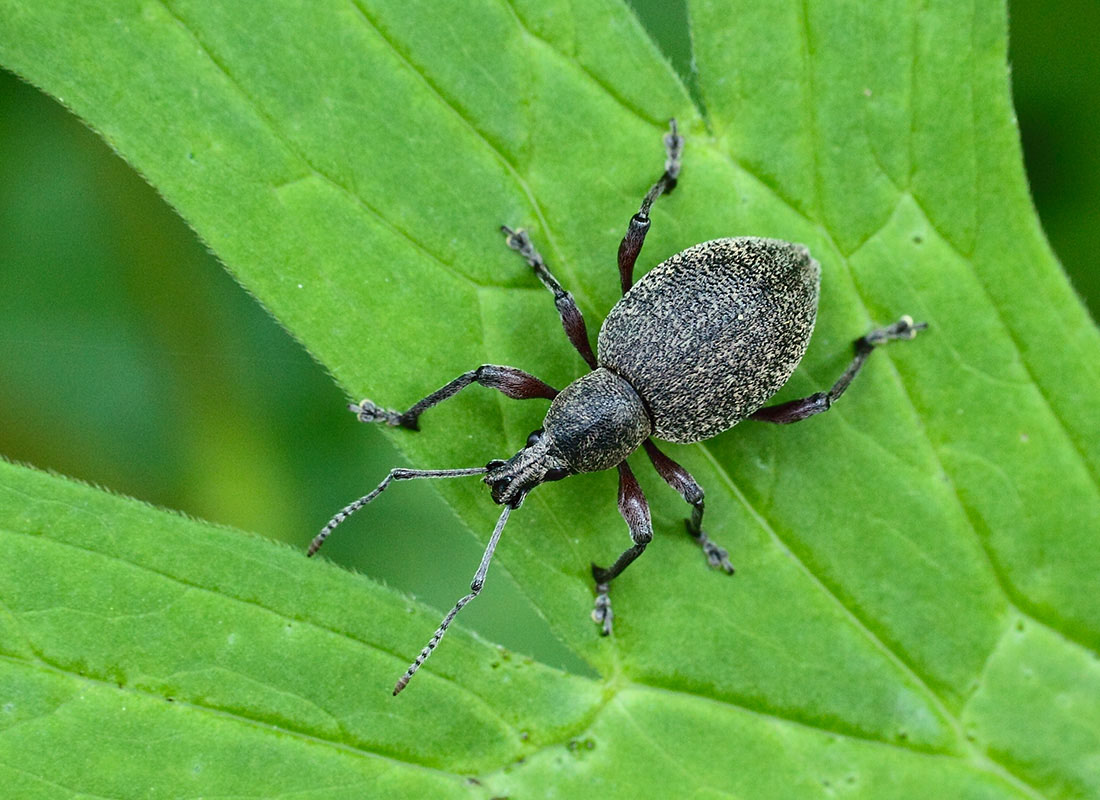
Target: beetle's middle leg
point(638, 226)
point(797, 410)
point(571, 318)
point(635, 510)
point(680, 479)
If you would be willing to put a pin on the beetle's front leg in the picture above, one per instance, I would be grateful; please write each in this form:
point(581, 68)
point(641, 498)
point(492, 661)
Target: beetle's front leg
point(512, 382)
point(635, 510)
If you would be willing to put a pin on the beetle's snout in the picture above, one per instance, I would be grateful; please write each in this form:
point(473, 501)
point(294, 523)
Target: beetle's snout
point(510, 481)
point(502, 484)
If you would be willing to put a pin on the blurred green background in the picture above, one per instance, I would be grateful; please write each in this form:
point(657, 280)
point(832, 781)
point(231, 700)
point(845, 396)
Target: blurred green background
point(130, 359)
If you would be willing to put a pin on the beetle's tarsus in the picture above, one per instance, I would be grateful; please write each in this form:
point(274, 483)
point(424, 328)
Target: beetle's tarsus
point(717, 556)
point(904, 328)
point(674, 149)
point(601, 612)
point(366, 411)
point(518, 240)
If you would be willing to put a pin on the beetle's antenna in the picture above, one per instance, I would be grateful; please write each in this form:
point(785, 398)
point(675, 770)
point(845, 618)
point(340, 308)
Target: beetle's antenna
point(475, 589)
point(395, 475)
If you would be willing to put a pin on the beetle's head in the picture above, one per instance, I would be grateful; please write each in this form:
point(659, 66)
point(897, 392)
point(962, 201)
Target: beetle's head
point(538, 462)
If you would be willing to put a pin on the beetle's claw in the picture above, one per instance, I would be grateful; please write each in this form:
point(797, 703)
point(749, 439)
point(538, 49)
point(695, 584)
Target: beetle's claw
point(519, 241)
point(601, 612)
point(366, 411)
point(717, 557)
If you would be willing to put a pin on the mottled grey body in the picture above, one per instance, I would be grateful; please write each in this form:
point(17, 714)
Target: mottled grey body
point(690, 350)
point(710, 334)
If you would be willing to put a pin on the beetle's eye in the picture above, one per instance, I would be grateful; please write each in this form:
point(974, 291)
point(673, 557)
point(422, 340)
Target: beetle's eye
point(534, 437)
point(496, 462)
point(555, 474)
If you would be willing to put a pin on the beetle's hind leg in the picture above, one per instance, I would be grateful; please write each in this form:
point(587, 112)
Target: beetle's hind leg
point(571, 318)
point(638, 226)
point(681, 480)
point(798, 410)
point(635, 510)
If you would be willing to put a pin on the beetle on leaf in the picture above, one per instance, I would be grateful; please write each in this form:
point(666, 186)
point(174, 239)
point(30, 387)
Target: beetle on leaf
point(697, 345)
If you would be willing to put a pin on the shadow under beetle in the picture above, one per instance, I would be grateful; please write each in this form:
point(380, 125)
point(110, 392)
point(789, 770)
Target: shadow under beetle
point(696, 346)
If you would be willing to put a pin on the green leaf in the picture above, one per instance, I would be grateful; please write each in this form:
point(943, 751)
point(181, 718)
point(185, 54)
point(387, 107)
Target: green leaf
point(127, 630)
point(914, 612)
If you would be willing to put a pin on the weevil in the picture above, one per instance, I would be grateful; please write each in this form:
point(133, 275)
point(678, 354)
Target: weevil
point(694, 347)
